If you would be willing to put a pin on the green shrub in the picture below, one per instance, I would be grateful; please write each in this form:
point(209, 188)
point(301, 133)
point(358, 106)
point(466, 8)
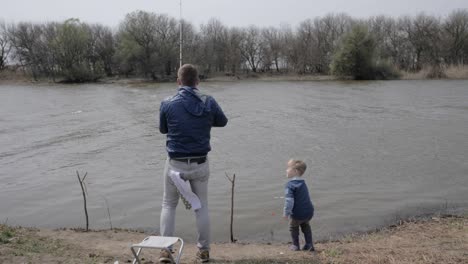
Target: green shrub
point(385, 71)
point(356, 58)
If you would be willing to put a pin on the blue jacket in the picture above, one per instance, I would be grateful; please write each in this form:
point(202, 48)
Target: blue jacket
point(297, 200)
point(187, 118)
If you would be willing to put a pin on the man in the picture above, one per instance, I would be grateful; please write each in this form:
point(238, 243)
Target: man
point(187, 118)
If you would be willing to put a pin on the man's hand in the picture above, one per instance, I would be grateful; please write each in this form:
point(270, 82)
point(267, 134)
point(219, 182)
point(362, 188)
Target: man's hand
point(285, 218)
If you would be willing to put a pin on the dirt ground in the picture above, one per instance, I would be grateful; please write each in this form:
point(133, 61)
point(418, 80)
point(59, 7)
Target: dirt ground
point(434, 240)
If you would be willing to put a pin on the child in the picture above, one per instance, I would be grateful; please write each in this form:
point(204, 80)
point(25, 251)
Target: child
point(298, 207)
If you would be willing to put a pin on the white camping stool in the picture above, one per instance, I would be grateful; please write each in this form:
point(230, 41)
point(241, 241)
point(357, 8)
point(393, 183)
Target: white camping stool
point(157, 242)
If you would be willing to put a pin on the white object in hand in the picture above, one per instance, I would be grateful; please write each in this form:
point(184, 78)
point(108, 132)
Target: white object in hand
point(185, 189)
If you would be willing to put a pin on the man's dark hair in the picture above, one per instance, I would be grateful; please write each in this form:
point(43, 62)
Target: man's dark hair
point(188, 75)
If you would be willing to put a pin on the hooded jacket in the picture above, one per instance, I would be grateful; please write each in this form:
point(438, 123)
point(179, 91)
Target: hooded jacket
point(297, 200)
point(187, 118)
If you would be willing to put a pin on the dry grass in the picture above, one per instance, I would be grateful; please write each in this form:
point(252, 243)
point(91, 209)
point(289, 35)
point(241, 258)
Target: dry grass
point(268, 77)
point(23, 245)
point(451, 72)
point(457, 72)
point(440, 240)
point(437, 240)
point(8, 76)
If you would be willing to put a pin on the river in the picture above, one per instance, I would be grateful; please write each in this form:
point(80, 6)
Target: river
point(376, 151)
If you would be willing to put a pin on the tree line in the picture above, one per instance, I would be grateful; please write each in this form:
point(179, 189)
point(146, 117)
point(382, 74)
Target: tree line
point(146, 44)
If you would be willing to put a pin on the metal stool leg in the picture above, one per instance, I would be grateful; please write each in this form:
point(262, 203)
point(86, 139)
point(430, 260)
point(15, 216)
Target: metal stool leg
point(136, 255)
point(180, 251)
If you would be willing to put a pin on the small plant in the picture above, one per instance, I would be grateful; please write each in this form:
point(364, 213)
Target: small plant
point(333, 252)
point(108, 213)
point(6, 234)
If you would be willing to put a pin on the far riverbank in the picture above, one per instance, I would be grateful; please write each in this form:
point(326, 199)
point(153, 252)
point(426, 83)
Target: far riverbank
point(452, 73)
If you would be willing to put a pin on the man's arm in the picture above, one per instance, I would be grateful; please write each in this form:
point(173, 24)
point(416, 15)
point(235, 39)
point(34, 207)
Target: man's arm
point(162, 119)
point(219, 120)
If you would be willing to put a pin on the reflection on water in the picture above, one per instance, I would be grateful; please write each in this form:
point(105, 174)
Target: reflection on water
point(375, 151)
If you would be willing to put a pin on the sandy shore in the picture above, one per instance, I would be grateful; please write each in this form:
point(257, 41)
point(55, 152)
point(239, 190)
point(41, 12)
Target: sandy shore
point(432, 240)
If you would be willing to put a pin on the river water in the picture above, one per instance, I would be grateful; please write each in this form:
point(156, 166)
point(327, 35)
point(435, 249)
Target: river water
point(375, 151)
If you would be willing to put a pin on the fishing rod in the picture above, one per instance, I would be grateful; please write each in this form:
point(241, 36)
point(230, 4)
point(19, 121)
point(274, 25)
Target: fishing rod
point(180, 37)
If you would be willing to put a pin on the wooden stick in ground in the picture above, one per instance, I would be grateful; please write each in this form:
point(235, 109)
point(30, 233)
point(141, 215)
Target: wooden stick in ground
point(233, 182)
point(84, 197)
point(108, 213)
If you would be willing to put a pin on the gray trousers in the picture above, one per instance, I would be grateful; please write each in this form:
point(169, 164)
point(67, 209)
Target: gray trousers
point(198, 175)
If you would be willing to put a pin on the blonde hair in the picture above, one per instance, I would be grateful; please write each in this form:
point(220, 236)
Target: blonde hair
point(298, 165)
point(188, 75)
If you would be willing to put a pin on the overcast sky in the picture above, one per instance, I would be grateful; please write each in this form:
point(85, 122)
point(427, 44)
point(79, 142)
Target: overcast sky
point(230, 12)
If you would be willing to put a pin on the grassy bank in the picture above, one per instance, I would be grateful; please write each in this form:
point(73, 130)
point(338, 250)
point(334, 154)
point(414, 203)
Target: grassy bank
point(433, 240)
point(452, 72)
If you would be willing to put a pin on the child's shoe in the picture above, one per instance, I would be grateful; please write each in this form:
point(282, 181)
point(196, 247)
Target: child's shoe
point(308, 248)
point(294, 248)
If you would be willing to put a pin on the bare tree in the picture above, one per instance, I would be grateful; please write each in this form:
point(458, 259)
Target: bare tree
point(250, 47)
point(101, 49)
point(191, 44)
point(305, 46)
point(215, 37)
point(329, 32)
point(148, 41)
point(5, 46)
point(423, 33)
point(290, 52)
point(25, 38)
point(234, 58)
point(48, 50)
point(391, 43)
point(456, 36)
point(376, 26)
point(272, 47)
point(167, 40)
point(428, 35)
